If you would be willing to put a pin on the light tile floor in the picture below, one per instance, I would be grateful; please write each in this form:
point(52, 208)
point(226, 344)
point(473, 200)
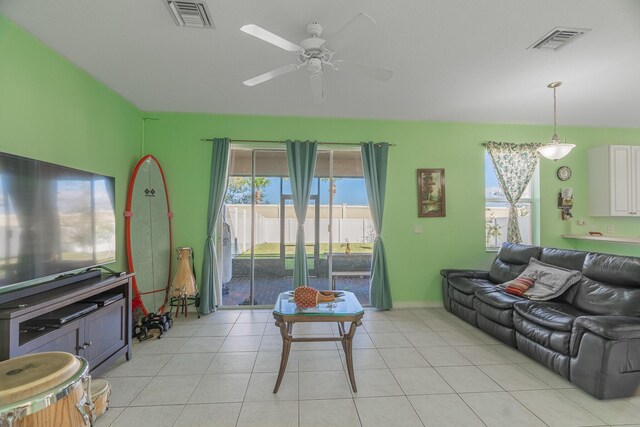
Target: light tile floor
point(417, 367)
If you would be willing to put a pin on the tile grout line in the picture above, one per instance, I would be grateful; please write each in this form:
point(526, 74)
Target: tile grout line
point(457, 329)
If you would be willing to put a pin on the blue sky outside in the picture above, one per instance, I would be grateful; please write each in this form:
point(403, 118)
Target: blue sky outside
point(351, 191)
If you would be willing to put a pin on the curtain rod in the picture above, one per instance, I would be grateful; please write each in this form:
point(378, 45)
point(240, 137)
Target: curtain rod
point(282, 142)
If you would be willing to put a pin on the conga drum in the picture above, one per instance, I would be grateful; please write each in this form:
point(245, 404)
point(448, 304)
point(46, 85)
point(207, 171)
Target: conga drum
point(45, 390)
point(100, 393)
point(184, 281)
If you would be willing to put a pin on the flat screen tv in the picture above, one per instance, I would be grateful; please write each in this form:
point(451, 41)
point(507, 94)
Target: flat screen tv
point(54, 221)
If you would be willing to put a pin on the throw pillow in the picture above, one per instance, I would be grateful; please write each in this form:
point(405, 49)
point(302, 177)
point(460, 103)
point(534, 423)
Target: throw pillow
point(550, 280)
point(518, 286)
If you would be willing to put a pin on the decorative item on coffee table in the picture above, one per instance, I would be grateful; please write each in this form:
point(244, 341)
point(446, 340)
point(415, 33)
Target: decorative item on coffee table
point(307, 297)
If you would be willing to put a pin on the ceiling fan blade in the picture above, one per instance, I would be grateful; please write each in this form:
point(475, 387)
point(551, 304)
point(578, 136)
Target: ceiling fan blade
point(359, 26)
point(271, 74)
point(269, 37)
point(317, 87)
point(365, 70)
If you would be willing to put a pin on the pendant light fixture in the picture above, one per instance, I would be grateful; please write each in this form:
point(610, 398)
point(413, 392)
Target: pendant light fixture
point(555, 149)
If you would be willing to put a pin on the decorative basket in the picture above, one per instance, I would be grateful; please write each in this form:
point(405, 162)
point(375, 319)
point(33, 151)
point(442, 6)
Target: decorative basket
point(308, 297)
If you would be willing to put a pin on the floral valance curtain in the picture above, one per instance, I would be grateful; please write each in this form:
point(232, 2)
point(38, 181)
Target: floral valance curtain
point(514, 165)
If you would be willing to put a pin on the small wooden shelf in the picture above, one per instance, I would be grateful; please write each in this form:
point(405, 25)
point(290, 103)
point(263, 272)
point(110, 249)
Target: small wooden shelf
point(612, 239)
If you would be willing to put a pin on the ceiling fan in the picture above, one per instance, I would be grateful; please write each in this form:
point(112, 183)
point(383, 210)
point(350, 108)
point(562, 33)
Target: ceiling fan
point(316, 54)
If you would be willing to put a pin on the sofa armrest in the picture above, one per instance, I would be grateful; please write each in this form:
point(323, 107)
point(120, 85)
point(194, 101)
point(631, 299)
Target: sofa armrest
point(608, 327)
point(471, 274)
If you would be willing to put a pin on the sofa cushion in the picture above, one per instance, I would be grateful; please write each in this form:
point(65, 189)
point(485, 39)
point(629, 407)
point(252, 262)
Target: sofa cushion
point(614, 269)
point(516, 253)
point(610, 286)
point(497, 298)
point(571, 260)
point(503, 333)
point(469, 315)
point(553, 315)
point(551, 359)
point(511, 260)
point(558, 341)
point(461, 297)
point(496, 306)
point(470, 286)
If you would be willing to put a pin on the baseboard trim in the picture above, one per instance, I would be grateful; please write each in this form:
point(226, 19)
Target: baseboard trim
point(418, 304)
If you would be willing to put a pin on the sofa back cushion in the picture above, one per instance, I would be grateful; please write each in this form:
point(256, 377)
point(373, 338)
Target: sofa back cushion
point(610, 285)
point(565, 258)
point(511, 261)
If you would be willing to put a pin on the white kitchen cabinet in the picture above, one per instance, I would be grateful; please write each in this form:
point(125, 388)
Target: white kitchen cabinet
point(614, 180)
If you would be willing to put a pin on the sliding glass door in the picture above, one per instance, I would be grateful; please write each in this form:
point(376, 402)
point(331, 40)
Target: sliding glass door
point(259, 227)
point(347, 231)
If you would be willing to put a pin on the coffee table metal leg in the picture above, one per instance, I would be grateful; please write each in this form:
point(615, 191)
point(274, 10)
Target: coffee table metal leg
point(347, 343)
point(286, 348)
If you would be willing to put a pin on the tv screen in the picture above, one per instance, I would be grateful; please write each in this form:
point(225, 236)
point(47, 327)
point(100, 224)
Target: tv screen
point(53, 220)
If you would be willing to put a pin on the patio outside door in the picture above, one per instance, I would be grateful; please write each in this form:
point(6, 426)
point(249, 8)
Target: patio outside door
point(258, 232)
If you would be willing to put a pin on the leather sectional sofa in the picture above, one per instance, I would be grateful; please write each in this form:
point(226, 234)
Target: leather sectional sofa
point(590, 334)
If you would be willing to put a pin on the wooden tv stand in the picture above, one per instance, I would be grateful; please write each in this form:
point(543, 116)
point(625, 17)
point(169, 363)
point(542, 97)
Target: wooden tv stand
point(101, 336)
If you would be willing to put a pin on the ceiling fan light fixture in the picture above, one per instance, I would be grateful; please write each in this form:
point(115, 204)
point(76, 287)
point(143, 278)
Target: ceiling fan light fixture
point(555, 150)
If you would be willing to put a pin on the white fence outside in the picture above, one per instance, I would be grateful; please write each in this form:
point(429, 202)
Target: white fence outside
point(267, 230)
point(500, 220)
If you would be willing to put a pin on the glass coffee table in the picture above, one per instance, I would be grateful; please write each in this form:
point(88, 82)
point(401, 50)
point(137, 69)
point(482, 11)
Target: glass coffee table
point(345, 309)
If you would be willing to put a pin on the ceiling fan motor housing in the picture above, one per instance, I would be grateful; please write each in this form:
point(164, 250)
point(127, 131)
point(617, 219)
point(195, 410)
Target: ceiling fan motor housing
point(314, 29)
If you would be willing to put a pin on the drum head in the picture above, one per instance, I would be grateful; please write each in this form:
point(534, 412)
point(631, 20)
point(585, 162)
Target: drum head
point(98, 387)
point(26, 376)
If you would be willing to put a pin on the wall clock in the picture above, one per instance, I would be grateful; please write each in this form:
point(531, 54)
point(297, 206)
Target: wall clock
point(564, 173)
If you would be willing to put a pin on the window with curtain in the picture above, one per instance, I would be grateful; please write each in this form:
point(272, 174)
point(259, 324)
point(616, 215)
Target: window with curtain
point(497, 210)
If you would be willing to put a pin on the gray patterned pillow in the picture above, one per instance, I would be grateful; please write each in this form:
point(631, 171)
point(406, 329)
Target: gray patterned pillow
point(550, 280)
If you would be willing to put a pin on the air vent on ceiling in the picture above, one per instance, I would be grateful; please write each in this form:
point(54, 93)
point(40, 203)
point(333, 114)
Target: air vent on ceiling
point(557, 38)
point(190, 13)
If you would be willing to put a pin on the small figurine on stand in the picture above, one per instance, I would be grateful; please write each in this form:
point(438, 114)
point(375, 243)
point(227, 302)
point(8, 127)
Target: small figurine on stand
point(347, 251)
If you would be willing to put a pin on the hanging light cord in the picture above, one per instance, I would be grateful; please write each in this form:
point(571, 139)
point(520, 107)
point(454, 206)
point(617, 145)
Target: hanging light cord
point(554, 111)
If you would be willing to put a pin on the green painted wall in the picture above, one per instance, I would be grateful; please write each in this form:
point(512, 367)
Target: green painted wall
point(414, 259)
point(52, 110)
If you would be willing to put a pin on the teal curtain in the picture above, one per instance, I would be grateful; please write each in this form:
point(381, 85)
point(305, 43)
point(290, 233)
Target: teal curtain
point(374, 161)
point(217, 189)
point(301, 158)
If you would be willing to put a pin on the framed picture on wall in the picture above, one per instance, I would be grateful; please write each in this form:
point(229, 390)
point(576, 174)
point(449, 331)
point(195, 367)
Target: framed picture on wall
point(431, 194)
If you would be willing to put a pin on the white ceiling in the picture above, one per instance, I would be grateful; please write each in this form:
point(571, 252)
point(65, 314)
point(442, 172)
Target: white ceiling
point(453, 60)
